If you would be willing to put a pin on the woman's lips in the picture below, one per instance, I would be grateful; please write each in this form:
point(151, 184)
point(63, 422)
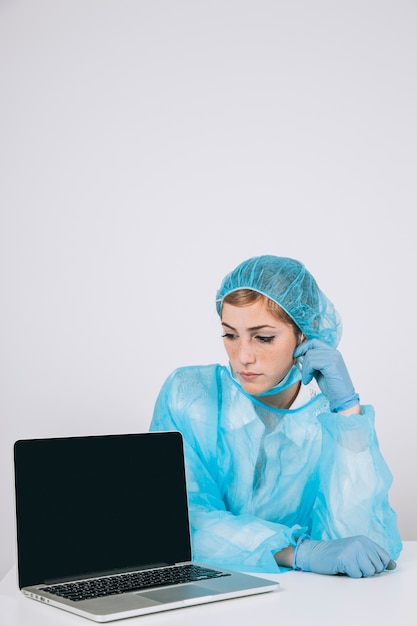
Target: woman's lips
point(249, 376)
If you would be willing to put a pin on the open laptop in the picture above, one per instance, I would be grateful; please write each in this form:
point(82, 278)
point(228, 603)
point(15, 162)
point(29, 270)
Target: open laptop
point(98, 514)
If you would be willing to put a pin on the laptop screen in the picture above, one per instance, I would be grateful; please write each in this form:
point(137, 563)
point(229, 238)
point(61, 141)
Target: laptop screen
point(99, 504)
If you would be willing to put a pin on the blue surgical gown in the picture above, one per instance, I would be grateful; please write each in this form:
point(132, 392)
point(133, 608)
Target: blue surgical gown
point(259, 477)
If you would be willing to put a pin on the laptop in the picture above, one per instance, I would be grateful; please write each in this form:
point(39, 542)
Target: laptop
point(103, 528)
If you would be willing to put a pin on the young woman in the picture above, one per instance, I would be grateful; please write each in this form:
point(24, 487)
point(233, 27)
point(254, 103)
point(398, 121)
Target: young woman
point(282, 460)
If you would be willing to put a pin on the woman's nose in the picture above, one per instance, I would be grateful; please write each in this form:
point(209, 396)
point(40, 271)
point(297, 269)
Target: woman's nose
point(246, 353)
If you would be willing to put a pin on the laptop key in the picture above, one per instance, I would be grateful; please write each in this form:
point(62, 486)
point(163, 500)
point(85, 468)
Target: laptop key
point(136, 581)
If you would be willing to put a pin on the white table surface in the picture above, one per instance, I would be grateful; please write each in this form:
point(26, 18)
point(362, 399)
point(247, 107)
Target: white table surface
point(303, 599)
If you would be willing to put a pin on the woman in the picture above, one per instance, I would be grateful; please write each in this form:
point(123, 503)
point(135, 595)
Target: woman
point(283, 464)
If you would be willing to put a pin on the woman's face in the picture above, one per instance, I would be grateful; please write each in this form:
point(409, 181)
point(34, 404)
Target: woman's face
point(259, 346)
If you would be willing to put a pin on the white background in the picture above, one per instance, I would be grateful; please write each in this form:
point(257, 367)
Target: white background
point(146, 148)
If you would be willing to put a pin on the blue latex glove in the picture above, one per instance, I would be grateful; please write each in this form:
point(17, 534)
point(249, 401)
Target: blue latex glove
point(327, 366)
point(355, 556)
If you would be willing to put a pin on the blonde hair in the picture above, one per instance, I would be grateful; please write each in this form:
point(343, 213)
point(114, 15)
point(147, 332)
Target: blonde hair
point(245, 297)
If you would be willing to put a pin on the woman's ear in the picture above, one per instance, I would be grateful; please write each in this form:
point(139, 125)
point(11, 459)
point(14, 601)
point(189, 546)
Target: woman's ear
point(301, 338)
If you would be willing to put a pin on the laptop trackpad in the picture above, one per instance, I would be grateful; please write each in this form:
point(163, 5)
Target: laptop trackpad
point(177, 594)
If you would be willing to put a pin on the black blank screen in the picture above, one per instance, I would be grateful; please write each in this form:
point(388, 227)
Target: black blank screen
point(88, 505)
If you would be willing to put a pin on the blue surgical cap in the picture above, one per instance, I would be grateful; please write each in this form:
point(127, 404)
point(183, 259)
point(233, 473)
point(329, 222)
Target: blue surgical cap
point(289, 284)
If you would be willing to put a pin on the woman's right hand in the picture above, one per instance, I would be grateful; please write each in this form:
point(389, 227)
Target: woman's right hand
point(355, 556)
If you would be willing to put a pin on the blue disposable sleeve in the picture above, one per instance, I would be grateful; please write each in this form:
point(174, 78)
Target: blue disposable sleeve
point(354, 481)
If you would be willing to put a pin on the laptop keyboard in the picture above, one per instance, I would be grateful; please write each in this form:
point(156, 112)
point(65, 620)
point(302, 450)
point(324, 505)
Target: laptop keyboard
point(134, 581)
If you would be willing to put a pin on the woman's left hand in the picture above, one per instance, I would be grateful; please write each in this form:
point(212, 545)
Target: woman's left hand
point(327, 366)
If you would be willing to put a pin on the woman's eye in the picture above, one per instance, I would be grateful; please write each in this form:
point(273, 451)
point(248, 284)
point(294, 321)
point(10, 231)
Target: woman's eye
point(264, 339)
point(228, 336)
